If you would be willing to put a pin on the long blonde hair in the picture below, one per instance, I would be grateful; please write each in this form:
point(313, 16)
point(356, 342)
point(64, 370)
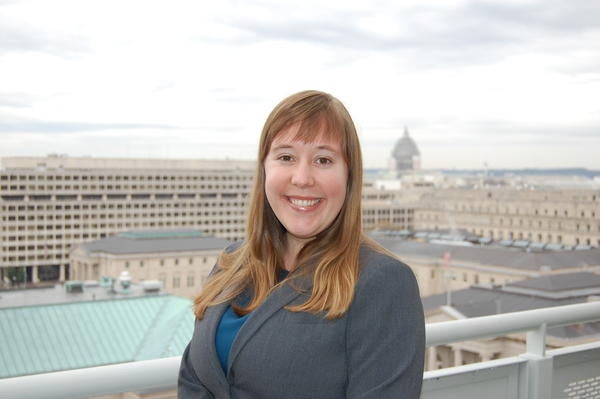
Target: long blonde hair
point(333, 255)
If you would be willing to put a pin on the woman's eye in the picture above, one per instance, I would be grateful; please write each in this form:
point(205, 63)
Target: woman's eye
point(324, 161)
point(285, 158)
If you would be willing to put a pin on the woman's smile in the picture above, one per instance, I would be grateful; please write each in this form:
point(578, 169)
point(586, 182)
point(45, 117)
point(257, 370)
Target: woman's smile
point(304, 204)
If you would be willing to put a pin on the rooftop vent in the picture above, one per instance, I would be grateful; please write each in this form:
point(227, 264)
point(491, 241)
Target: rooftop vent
point(125, 280)
point(74, 286)
point(151, 286)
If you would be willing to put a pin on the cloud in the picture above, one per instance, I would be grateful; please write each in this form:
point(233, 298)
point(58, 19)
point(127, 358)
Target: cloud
point(18, 125)
point(426, 35)
point(15, 100)
point(19, 38)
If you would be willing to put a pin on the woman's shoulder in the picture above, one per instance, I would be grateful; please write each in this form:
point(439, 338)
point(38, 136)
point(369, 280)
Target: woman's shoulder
point(381, 268)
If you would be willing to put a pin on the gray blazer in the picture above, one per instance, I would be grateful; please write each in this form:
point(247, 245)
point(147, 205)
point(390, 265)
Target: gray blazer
point(375, 350)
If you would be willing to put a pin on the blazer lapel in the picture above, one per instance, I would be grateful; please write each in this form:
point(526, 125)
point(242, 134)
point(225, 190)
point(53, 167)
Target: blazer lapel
point(212, 318)
point(278, 299)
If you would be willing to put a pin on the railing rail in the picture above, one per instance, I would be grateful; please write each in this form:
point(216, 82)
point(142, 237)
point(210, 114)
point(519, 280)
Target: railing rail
point(161, 374)
point(507, 323)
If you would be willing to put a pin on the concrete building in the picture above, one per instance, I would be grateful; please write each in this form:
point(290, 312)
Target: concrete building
point(560, 217)
point(49, 204)
point(180, 259)
point(442, 265)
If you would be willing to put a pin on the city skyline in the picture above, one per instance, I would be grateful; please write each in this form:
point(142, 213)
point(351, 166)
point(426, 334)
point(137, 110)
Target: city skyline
point(496, 84)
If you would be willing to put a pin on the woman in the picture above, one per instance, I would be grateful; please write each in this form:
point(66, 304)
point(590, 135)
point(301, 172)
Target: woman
point(307, 306)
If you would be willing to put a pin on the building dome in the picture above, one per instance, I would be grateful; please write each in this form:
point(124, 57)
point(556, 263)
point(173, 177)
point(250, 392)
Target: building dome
point(406, 153)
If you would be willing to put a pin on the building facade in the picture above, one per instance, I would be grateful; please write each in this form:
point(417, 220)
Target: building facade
point(548, 216)
point(49, 204)
point(180, 259)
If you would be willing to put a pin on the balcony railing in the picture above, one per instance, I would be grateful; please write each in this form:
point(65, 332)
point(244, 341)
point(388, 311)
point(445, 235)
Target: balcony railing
point(570, 372)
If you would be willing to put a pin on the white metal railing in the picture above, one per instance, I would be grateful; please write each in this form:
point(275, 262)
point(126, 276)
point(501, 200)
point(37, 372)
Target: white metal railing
point(525, 376)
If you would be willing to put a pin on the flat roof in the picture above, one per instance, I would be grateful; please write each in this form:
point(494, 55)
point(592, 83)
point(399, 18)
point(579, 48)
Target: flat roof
point(514, 258)
point(152, 241)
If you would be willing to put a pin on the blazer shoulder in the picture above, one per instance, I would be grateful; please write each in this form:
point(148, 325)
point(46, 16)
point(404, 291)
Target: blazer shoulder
point(382, 270)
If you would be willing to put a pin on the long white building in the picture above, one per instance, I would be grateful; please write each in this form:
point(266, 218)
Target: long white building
point(48, 204)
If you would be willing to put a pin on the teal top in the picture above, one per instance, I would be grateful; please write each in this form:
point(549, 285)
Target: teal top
point(227, 330)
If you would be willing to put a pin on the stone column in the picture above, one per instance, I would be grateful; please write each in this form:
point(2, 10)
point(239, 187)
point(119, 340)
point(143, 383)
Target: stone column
point(432, 358)
point(35, 278)
point(457, 356)
point(485, 356)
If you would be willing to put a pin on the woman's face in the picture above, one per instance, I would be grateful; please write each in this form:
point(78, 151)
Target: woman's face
point(305, 183)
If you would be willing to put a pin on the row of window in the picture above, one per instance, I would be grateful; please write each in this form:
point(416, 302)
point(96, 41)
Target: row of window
point(163, 262)
point(225, 215)
point(247, 176)
point(517, 211)
point(125, 205)
point(125, 187)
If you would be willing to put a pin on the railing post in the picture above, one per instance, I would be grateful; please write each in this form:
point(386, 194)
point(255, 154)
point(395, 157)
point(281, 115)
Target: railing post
point(536, 341)
point(539, 366)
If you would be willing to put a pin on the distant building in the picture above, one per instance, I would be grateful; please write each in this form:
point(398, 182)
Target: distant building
point(406, 154)
point(49, 329)
point(441, 265)
point(549, 216)
point(490, 299)
point(181, 259)
point(48, 204)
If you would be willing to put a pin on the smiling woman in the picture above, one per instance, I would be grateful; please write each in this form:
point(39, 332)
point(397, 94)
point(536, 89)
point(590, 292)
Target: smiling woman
point(307, 306)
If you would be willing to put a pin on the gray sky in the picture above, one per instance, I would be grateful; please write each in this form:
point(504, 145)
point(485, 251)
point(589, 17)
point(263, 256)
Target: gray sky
point(508, 83)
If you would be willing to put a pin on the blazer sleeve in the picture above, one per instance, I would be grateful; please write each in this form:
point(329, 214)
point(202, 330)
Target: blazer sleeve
point(385, 339)
point(188, 384)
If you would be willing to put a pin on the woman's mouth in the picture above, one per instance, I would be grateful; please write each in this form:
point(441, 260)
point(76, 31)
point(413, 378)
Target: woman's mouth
point(304, 203)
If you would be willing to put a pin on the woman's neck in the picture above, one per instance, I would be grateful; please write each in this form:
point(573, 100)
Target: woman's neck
point(293, 247)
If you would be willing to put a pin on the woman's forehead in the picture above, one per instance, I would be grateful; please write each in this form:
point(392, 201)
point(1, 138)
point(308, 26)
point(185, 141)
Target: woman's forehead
point(300, 132)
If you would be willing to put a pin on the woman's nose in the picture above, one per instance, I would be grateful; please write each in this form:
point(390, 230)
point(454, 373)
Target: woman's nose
point(302, 175)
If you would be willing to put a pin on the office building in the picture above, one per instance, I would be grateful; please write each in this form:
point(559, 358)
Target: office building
point(180, 259)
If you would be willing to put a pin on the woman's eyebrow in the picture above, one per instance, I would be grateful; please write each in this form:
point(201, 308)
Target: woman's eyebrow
point(327, 148)
point(281, 147)
point(287, 146)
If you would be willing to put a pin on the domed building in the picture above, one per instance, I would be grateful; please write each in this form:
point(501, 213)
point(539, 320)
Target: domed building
point(406, 154)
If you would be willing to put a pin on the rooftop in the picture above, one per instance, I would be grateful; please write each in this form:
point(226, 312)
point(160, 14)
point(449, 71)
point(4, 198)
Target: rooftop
point(152, 241)
point(64, 162)
point(57, 294)
point(90, 329)
point(514, 258)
